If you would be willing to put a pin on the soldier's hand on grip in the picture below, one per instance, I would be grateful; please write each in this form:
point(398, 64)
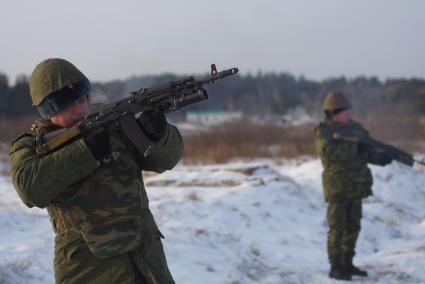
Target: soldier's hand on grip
point(154, 124)
point(98, 142)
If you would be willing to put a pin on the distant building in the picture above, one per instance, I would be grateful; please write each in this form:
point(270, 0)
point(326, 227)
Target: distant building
point(212, 117)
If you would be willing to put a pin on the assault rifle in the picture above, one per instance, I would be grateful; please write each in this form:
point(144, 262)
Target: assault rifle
point(165, 98)
point(375, 147)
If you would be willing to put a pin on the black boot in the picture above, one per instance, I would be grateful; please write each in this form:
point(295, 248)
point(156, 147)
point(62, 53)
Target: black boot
point(338, 272)
point(353, 270)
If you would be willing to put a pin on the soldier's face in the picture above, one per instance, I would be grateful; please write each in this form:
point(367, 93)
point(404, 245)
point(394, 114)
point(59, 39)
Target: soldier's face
point(342, 117)
point(72, 115)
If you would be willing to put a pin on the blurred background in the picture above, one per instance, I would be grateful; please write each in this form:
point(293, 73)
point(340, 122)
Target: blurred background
point(290, 54)
point(245, 205)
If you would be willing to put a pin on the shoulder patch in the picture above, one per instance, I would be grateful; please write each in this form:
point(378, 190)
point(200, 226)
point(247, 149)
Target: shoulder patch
point(319, 127)
point(20, 136)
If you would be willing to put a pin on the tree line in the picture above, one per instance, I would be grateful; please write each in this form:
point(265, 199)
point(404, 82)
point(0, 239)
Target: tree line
point(259, 94)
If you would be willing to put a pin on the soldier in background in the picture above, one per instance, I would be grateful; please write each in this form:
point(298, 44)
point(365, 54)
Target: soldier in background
point(93, 188)
point(346, 181)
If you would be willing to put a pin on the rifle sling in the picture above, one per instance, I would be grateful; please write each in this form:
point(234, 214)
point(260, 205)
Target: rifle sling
point(136, 135)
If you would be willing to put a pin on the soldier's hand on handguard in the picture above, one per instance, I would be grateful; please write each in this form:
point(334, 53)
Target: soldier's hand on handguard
point(153, 124)
point(98, 142)
point(376, 157)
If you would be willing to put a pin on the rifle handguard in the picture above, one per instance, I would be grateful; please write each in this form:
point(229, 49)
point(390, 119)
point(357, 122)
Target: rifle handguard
point(181, 102)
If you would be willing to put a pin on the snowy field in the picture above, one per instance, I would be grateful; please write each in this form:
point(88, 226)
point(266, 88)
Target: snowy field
point(246, 222)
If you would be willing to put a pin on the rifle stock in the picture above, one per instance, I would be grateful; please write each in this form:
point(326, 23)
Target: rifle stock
point(51, 141)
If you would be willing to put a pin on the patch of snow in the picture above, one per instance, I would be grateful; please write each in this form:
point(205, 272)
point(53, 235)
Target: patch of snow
point(247, 222)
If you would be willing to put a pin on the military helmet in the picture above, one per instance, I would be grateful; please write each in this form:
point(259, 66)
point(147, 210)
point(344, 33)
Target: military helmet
point(55, 84)
point(335, 101)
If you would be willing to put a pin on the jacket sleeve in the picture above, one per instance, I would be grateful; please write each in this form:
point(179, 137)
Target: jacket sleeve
point(166, 153)
point(39, 180)
point(331, 149)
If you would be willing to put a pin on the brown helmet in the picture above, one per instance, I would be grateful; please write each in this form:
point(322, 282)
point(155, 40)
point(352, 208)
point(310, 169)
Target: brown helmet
point(335, 101)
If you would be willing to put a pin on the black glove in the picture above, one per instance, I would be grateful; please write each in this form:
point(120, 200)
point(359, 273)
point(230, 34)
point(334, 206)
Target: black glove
point(362, 147)
point(153, 124)
point(379, 158)
point(98, 142)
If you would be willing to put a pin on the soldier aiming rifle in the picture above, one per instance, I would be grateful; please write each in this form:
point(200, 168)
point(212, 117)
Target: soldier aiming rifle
point(86, 169)
point(345, 150)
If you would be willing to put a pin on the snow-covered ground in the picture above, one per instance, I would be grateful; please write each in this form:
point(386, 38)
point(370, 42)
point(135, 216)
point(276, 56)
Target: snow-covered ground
point(246, 222)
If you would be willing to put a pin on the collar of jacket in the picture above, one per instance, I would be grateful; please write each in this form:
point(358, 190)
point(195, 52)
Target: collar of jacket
point(334, 124)
point(42, 126)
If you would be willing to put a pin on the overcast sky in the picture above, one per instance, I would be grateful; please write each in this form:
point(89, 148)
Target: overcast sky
point(116, 39)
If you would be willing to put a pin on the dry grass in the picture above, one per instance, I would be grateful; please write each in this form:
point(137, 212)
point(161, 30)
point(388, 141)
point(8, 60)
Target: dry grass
point(397, 125)
point(247, 140)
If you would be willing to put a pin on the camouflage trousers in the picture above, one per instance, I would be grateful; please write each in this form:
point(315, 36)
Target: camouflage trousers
point(344, 227)
point(75, 263)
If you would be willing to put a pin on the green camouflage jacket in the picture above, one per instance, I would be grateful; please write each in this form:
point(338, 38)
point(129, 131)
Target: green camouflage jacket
point(107, 203)
point(345, 171)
